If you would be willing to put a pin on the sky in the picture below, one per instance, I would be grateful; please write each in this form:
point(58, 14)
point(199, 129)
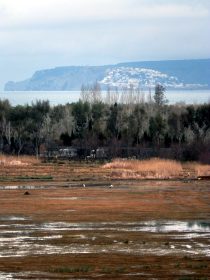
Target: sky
point(41, 34)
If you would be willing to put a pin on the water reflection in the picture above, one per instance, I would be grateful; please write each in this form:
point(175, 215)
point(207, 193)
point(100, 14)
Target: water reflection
point(176, 226)
point(19, 236)
point(202, 225)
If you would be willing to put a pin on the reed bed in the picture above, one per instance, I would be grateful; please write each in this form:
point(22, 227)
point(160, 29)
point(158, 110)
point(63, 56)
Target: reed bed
point(154, 168)
point(200, 169)
point(7, 160)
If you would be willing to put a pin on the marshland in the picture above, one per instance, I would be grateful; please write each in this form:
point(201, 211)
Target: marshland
point(148, 225)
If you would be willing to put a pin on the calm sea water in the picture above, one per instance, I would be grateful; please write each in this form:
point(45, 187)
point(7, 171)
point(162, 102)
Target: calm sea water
point(63, 97)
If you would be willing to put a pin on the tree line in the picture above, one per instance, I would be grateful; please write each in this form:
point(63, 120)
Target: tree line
point(92, 122)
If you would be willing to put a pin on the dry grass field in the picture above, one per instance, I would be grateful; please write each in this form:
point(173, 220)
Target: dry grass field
point(155, 169)
point(138, 229)
point(24, 167)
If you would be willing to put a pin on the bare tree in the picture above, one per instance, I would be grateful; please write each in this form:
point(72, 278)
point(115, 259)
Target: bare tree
point(85, 93)
point(108, 95)
point(96, 95)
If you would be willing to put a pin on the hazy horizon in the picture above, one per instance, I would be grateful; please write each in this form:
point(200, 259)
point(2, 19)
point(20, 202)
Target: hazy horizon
point(45, 34)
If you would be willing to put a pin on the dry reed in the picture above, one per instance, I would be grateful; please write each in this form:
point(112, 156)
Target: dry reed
point(200, 169)
point(17, 160)
point(154, 168)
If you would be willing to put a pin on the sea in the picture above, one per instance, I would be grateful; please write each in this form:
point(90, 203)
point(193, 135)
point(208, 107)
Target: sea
point(63, 97)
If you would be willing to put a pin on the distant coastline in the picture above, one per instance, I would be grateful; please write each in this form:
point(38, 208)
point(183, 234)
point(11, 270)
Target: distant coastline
point(173, 74)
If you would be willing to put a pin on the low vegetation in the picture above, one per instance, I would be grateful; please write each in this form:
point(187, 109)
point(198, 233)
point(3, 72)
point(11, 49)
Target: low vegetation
point(7, 160)
point(72, 269)
point(28, 168)
point(53, 229)
point(155, 169)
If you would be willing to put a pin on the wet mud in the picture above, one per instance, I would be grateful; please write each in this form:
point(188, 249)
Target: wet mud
point(157, 231)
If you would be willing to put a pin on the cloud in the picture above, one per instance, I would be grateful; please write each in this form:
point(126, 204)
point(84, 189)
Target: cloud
point(30, 13)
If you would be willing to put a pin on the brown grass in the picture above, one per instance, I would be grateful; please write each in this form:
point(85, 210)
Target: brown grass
point(17, 161)
point(200, 169)
point(12, 166)
point(154, 168)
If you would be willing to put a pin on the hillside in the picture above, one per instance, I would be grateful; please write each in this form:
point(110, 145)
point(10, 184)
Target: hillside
point(173, 74)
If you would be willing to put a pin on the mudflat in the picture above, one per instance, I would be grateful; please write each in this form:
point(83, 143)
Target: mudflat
point(136, 229)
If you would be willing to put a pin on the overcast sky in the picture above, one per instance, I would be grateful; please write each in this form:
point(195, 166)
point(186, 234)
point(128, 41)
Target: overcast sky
point(39, 34)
